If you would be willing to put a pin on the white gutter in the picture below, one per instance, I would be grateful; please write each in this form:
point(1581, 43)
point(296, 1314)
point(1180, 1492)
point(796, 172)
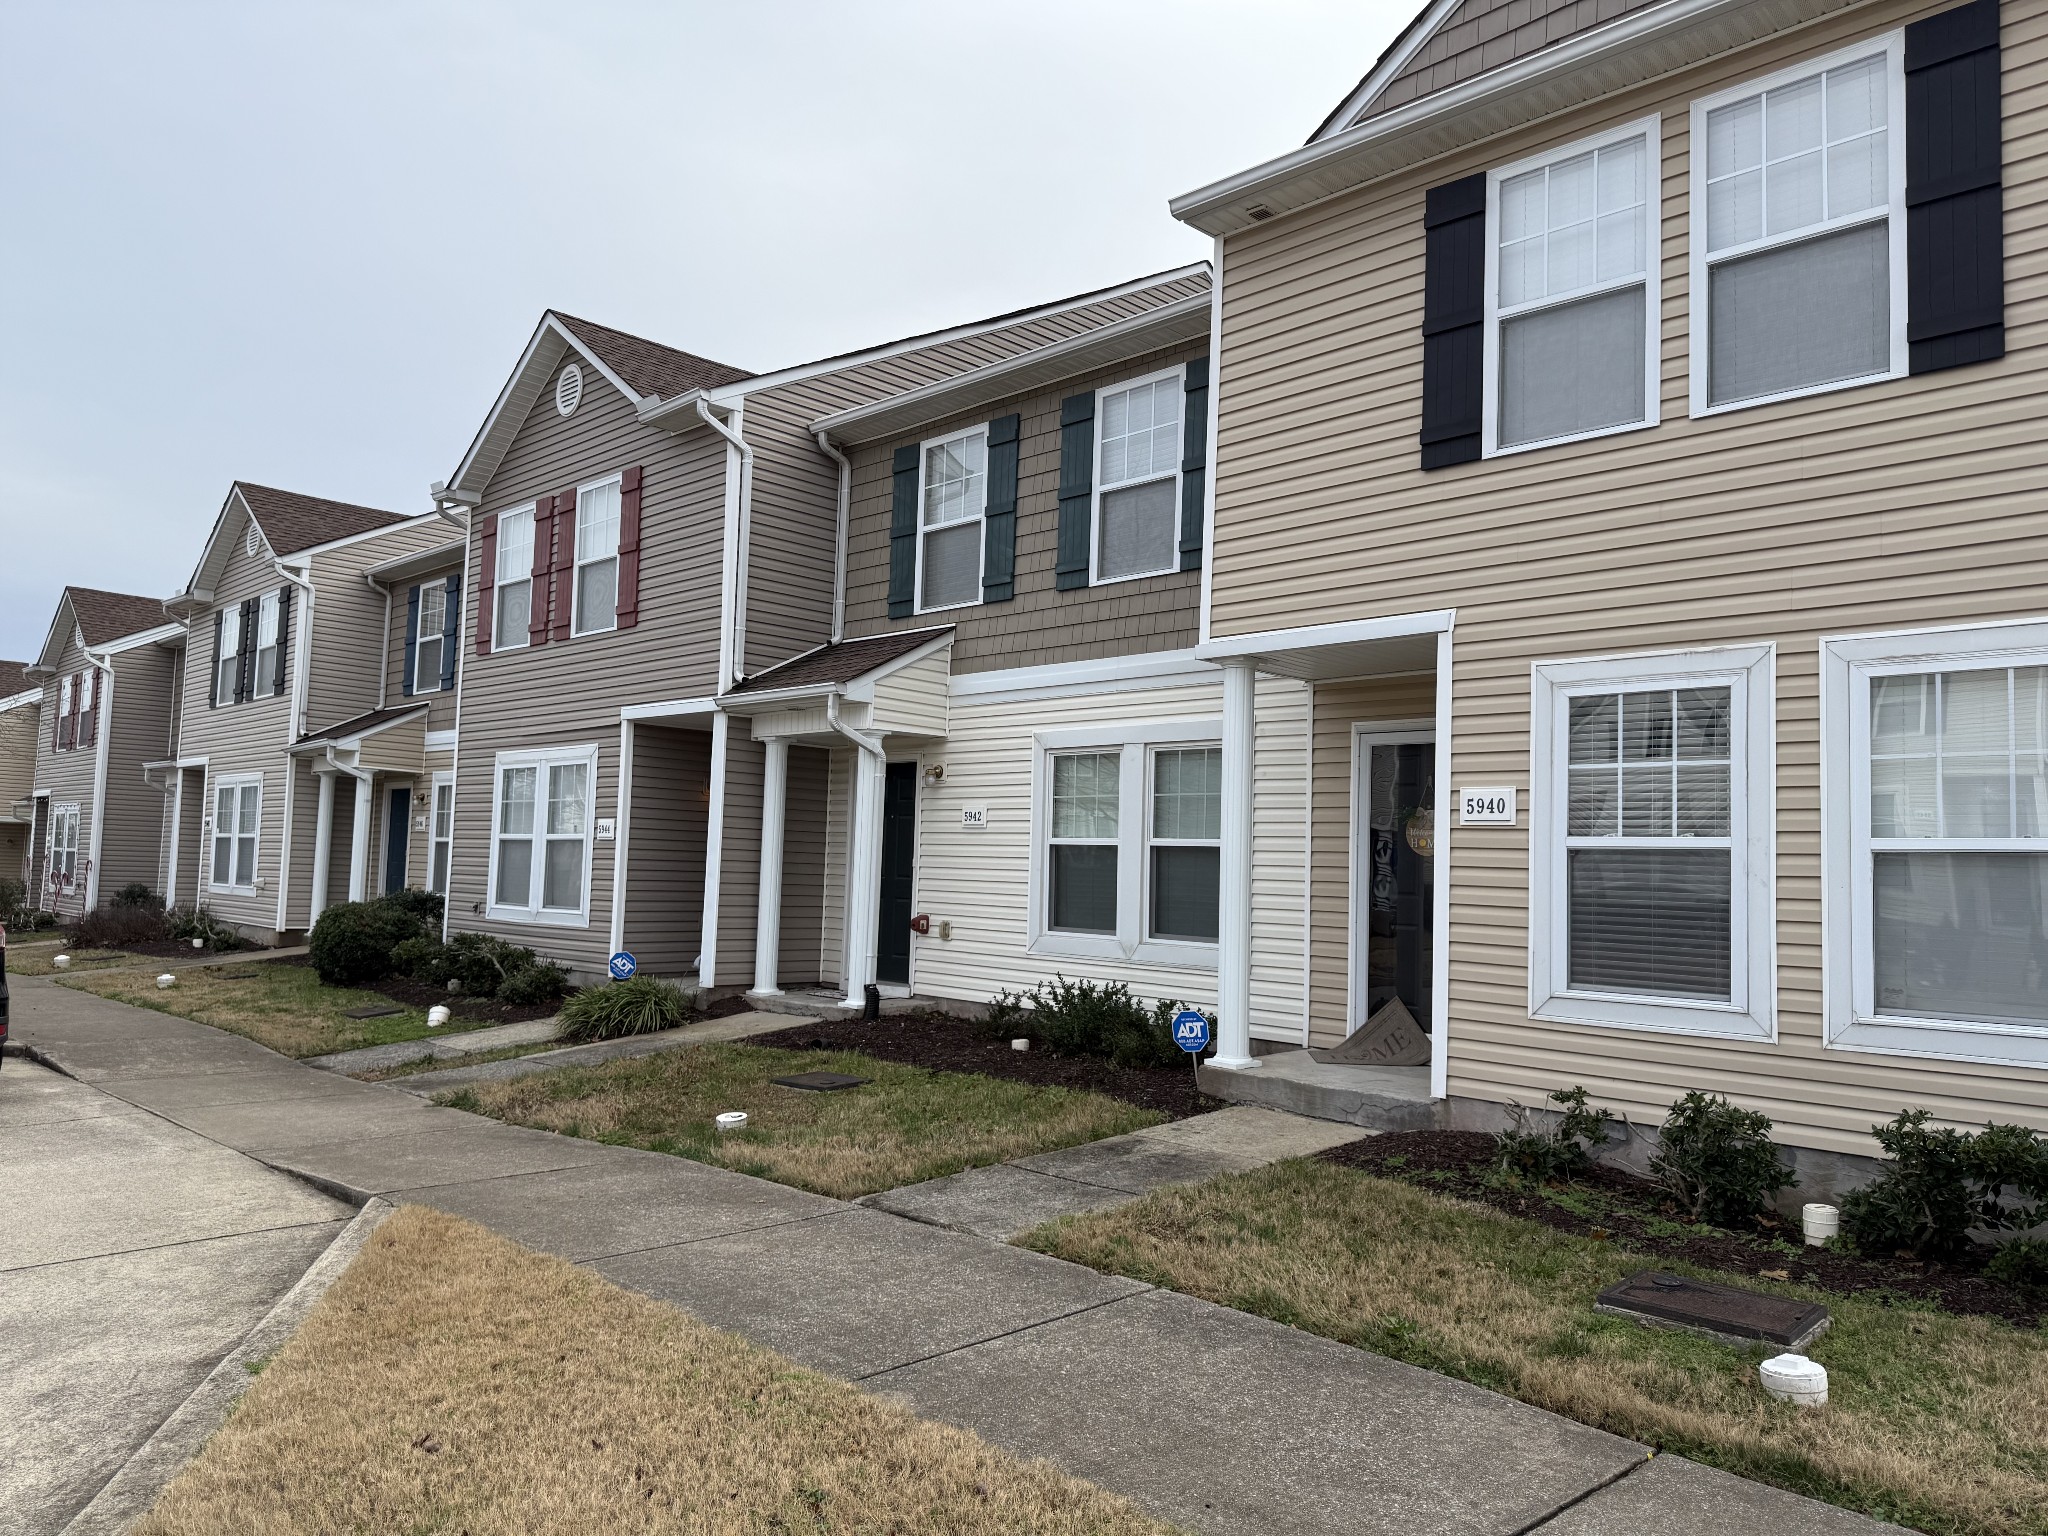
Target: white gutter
point(839, 558)
point(384, 641)
point(861, 739)
point(732, 595)
point(295, 725)
point(103, 707)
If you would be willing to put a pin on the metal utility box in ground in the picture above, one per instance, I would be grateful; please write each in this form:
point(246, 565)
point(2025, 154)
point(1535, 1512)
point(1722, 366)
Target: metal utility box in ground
point(1723, 1312)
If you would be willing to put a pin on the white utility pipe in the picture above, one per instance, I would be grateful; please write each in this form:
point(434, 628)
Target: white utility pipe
point(845, 513)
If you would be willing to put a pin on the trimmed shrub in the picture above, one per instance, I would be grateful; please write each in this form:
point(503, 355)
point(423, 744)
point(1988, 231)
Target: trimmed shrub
point(1538, 1153)
point(1718, 1162)
point(1086, 1018)
point(2021, 1263)
point(423, 959)
point(353, 941)
point(116, 926)
point(424, 906)
point(542, 981)
point(1938, 1183)
point(638, 1006)
point(200, 924)
point(136, 894)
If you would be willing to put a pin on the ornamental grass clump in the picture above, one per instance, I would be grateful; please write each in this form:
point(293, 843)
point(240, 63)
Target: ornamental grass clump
point(638, 1006)
point(1717, 1162)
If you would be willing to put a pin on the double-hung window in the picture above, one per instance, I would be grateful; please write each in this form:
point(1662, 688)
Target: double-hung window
point(1799, 230)
point(266, 645)
point(428, 639)
point(1935, 842)
point(1137, 477)
point(1127, 844)
point(1571, 332)
point(63, 846)
point(1650, 863)
point(228, 659)
point(597, 557)
point(542, 820)
point(67, 721)
point(443, 832)
point(513, 580)
point(237, 814)
point(952, 502)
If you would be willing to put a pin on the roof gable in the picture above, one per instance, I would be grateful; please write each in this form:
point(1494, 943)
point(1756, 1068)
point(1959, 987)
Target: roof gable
point(98, 619)
point(286, 523)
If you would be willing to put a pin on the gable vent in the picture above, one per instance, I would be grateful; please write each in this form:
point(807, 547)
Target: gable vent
point(249, 541)
point(569, 389)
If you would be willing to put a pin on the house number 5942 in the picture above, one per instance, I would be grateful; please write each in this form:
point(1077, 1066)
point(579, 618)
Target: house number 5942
point(1493, 806)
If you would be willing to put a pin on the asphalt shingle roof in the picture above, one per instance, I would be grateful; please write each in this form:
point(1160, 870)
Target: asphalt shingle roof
point(840, 663)
point(104, 617)
point(11, 678)
point(292, 522)
point(648, 367)
point(359, 724)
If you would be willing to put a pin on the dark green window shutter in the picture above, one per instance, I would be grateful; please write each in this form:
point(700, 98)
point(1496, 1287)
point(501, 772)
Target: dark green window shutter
point(284, 635)
point(999, 533)
point(1194, 462)
point(1955, 200)
point(412, 635)
point(1077, 490)
point(451, 626)
point(220, 616)
point(1453, 320)
point(903, 534)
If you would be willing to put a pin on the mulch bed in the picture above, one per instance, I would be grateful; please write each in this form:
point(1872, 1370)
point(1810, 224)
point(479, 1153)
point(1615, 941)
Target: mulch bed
point(946, 1044)
point(479, 1010)
point(1636, 1213)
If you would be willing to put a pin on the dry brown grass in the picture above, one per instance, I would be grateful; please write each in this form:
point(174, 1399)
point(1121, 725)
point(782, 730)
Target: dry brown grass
point(452, 1381)
point(906, 1125)
point(35, 959)
point(1935, 1421)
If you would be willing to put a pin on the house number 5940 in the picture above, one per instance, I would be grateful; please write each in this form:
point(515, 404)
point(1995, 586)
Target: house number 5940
point(1493, 806)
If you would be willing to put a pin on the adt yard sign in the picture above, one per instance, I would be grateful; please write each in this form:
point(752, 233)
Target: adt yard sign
point(1191, 1031)
point(622, 965)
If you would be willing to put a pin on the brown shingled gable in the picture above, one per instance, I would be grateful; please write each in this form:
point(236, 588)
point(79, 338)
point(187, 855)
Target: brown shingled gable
point(12, 678)
point(104, 617)
point(840, 663)
point(292, 522)
point(648, 367)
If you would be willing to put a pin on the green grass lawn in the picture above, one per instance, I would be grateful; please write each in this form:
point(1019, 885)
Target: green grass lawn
point(905, 1125)
point(285, 1007)
point(1934, 1421)
point(33, 957)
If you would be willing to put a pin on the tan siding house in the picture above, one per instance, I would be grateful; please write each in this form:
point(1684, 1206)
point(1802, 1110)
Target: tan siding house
point(20, 731)
point(1790, 556)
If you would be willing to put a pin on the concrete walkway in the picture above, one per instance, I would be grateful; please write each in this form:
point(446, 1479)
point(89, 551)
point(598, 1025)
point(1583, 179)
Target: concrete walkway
point(1213, 1419)
point(133, 1256)
point(736, 1026)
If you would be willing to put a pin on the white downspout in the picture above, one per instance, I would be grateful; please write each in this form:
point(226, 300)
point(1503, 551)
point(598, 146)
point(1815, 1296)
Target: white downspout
point(732, 658)
point(384, 646)
point(103, 716)
point(863, 857)
point(622, 831)
point(464, 638)
point(825, 445)
point(295, 727)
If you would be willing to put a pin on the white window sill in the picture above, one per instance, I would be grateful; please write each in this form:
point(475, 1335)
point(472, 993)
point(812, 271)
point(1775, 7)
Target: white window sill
point(545, 917)
point(1095, 580)
point(2005, 1045)
point(584, 634)
point(1158, 952)
point(522, 646)
point(1504, 451)
point(972, 602)
point(233, 890)
point(1720, 1021)
point(1079, 946)
point(1701, 409)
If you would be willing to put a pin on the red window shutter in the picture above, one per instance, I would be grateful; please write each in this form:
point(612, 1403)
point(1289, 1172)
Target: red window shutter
point(543, 567)
point(487, 529)
point(629, 548)
point(77, 703)
point(565, 563)
point(89, 707)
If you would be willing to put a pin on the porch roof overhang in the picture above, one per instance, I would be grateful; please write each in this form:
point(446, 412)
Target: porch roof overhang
point(407, 566)
point(1402, 642)
point(848, 668)
point(382, 741)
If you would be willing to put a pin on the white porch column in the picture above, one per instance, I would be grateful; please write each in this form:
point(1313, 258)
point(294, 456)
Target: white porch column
point(768, 913)
point(177, 797)
point(1234, 901)
point(323, 848)
point(863, 875)
point(359, 843)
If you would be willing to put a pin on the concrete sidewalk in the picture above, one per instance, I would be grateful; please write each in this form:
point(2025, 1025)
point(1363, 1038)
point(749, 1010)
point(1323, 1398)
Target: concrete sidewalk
point(1213, 1419)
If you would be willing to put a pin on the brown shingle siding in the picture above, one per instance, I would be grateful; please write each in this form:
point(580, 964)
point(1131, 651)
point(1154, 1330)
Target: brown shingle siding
point(1486, 34)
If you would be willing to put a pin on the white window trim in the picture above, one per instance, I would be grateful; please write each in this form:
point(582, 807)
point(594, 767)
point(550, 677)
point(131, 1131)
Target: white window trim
point(61, 812)
point(1893, 46)
point(443, 779)
point(237, 782)
point(1650, 130)
point(230, 614)
point(1095, 577)
point(1750, 672)
point(498, 642)
point(547, 757)
point(419, 638)
point(1848, 981)
point(67, 690)
point(576, 629)
point(1136, 742)
point(1147, 841)
point(980, 520)
point(263, 680)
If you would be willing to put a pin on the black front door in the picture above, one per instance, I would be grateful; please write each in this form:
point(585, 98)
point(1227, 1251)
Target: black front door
point(899, 852)
point(396, 839)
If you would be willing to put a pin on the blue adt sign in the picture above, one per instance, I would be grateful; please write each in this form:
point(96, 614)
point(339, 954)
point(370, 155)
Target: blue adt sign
point(623, 965)
point(1190, 1031)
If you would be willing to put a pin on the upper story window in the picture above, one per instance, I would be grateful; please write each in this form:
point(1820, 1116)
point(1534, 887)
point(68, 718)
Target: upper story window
point(514, 580)
point(597, 557)
point(227, 661)
point(427, 647)
point(66, 734)
point(266, 645)
point(1798, 218)
point(953, 496)
point(1137, 478)
point(1571, 338)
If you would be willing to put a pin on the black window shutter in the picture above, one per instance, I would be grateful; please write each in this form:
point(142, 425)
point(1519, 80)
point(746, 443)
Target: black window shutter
point(412, 633)
point(1077, 490)
point(1453, 321)
point(284, 634)
point(213, 673)
point(999, 532)
point(451, 625)
point(245, 653)
point(1194, 462)
point(903, 533)
point(1955, 203)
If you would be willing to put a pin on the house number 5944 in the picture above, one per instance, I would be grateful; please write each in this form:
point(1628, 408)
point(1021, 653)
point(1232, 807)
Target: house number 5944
point(1493, 806)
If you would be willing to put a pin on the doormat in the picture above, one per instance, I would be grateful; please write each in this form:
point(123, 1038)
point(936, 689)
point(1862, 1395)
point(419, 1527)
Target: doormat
point(372, 1013)
point(1724, 1312)
point(1390, 1038)
point(819, 1082)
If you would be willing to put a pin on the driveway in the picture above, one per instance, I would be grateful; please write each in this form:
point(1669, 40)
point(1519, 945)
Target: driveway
point(133, 1256)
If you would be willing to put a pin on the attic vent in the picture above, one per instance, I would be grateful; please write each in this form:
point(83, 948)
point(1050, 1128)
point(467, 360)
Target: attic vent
point(249, 540)
point(1258, 212)
point(569, 389)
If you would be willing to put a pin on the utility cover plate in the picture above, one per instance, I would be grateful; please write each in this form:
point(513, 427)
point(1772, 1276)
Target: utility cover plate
point(371, 1013)
point(819, 1082)
point(1719, 1311)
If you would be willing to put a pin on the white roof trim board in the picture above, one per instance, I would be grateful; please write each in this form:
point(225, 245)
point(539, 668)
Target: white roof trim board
point(1391, 64)
point(1626, 52)
point(1183, 320)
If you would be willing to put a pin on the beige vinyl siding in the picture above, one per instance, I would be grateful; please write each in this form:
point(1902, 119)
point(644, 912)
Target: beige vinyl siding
point(1903, 503)
point(980, 881)
point(832, 916)
point(739, 868)
point(68, 777)
point(665, 858)
point(800, 952)
point(138, 726)
point(18, 735)
point(1040, 624)
point(348, 632)
point(570, 692)
point(440, 704)
point(794, 508)
point(912, 700)
point(186, 884)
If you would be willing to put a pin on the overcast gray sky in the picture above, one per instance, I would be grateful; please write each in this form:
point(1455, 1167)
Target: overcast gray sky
point(302, 244)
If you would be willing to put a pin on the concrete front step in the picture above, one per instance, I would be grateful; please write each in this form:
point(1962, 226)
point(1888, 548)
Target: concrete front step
point(1377, 1098)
